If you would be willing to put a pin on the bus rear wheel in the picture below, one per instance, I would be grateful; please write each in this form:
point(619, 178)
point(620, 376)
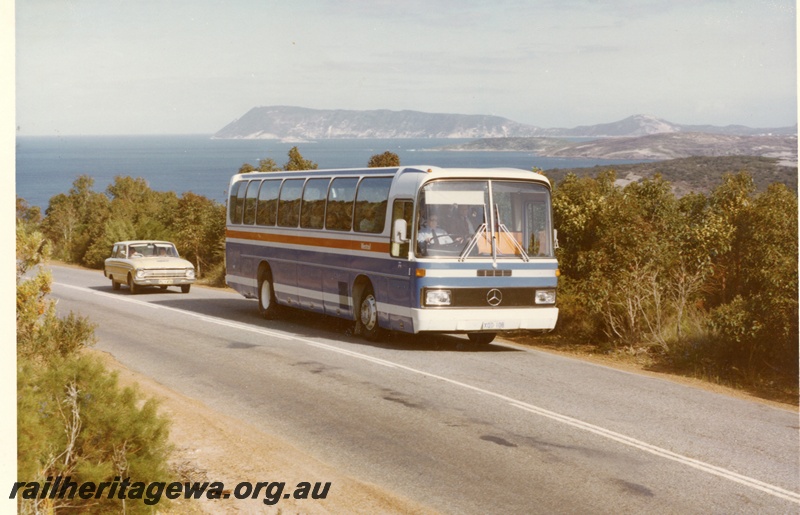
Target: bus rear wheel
point(481, 338)
point(267, 305)
point(368, 316)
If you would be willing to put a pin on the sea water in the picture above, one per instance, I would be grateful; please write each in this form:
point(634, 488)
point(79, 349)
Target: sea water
point(48, 165)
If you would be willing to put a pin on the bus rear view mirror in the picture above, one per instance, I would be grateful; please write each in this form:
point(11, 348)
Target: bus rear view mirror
point(400, 232)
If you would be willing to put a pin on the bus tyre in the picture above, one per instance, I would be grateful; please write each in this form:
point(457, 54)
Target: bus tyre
point(481, 338)
point(368, 316)
point(132, 285)
point(267, 305)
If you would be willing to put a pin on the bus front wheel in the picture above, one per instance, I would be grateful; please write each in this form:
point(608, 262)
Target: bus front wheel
point(481, 338)
point(368, 316)
point(267, 305)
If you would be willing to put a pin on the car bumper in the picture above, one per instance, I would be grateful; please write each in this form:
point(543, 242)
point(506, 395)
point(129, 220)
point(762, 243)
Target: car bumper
point(162, 281)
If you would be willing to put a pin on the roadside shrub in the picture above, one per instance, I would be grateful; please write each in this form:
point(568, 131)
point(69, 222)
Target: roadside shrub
point(74, 421)
point(72, 417)
point(707, 282)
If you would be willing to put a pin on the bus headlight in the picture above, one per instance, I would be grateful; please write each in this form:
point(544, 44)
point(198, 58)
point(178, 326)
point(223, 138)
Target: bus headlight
point(545, 296)
point(437, 297)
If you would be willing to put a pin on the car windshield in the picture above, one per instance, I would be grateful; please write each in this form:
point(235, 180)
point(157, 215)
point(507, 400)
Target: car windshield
point(152, 250)
point(458, 219)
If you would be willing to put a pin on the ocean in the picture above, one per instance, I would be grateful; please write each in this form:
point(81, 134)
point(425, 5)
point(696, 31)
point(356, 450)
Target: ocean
point(48, 165)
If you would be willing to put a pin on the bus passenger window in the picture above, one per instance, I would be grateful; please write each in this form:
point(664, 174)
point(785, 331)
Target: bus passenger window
point(238, 205)
point(267, 210)
point(339, 213)
point(371, 201)
point(312, 212)
point(232, 200)
point(250, 202)
point(289, 203)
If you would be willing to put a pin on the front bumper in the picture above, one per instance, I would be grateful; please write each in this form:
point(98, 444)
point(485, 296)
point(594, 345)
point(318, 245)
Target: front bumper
point(488, 320)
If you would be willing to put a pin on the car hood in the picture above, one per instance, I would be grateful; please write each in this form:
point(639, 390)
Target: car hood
point(160, 262)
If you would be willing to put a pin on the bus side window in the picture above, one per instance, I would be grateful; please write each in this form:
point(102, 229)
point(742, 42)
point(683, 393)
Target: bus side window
point(238, 205)
point(267, 210)
point(339, 212)
point(250, 202)
point(232, 201)
point(289, 203)
point(312, 212)
point(371, 200)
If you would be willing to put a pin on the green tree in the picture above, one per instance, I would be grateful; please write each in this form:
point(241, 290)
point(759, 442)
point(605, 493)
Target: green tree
point(134, 212)
point(74, 220)
point(757, 330)
point(297, 162)
point(247, 168)
point(200, 230)
point(72, 418)
point(27, 214)
point(268, 165)
point(386, 159)
point(730, 201)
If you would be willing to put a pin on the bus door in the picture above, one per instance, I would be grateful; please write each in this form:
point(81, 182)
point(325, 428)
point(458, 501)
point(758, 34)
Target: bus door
point(399, 284)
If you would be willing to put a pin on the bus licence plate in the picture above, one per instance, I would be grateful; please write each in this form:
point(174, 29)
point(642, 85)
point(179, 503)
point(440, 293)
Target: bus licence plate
point(493, 325)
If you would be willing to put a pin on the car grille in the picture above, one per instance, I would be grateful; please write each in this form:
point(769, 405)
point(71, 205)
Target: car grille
point(165, 273)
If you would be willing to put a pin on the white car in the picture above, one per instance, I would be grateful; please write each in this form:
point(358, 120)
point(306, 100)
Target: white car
point(142, 263)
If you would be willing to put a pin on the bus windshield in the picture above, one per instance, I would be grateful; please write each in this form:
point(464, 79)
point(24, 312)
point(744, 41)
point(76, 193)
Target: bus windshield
point(483, 218)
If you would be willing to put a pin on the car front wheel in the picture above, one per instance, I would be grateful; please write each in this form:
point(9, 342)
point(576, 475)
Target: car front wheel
point(132, 285)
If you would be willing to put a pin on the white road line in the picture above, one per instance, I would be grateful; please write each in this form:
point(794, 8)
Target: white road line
point(552, 415)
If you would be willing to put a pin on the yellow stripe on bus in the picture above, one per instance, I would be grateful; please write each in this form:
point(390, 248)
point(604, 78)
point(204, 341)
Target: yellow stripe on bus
point(311, 241)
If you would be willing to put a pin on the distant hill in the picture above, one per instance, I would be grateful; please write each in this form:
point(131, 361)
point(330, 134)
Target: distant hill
point(282, 122)
point(286, 122)
point(653, 146)
point(693, 174)
point(643, 125)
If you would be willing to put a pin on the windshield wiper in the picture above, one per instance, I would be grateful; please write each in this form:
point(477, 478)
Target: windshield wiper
point(472, 242)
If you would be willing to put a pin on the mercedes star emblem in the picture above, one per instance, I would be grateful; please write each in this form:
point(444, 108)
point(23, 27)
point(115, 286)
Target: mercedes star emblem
point(494, 297)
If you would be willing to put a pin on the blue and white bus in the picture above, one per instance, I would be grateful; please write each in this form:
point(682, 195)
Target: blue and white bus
point(410, 249)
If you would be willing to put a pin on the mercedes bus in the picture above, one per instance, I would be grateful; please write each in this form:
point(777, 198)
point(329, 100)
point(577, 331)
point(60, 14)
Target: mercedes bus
point(414, 249)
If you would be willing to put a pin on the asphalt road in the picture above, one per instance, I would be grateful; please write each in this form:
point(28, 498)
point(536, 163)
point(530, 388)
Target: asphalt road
point(493, 429)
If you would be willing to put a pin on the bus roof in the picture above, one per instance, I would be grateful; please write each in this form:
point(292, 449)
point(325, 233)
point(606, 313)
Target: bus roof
point(433, 171)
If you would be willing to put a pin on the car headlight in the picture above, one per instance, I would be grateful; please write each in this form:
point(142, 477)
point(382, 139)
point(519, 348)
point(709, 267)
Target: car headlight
point(545, 296)
point(190, 273)
point(140, 274)
point(437, 297)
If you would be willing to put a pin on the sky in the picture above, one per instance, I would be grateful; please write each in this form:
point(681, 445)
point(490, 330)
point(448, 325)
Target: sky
point(192, 67)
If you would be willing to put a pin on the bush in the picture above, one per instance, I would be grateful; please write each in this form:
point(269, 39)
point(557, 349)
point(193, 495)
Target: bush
point(73, 419)
point(709, 282)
